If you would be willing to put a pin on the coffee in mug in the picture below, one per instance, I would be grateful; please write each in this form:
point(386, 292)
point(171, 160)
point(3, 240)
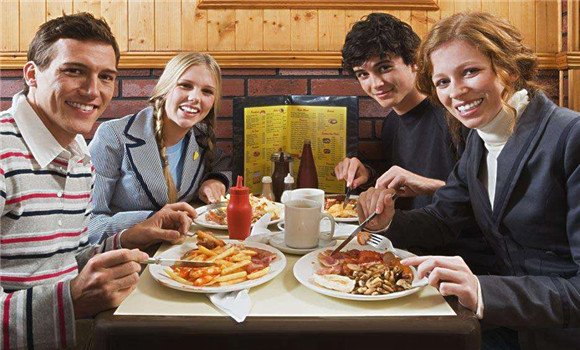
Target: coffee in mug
point(302, 224)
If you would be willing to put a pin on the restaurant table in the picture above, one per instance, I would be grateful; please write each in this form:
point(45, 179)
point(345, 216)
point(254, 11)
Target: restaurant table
point(285, 315)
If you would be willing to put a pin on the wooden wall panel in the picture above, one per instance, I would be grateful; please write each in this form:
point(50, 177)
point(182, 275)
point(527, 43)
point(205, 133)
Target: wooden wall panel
point(9, 20)
point(331, 29)
point(304, 29)
point(55, 8)
point(221, 30)
point(419, 22)
point(498, 7)
point(523, 16)
point(32, 14)
point(141, 21)
point(353, 16)
point(92, 6)
point(277, 30)
point(193, 27)
point(546, 30)
point(249, 30)
point(167, 25)
point(115, 13)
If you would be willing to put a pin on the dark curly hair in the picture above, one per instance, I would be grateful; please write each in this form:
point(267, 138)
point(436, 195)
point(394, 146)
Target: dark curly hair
point(379, 34)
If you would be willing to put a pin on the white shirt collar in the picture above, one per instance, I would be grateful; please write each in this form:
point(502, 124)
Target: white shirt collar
point(43, 146)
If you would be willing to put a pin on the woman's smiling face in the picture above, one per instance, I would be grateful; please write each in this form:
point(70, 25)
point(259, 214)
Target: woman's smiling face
point(466, 83)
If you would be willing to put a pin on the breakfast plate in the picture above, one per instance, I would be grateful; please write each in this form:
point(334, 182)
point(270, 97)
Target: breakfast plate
point(333, 206)
point(160, 275)
point(202, 219)
point(305, 268)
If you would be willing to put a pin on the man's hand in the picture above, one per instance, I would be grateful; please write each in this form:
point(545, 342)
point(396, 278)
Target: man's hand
point(379, 201)
point(408, 184)
point(170, 224)
point(211, 190)
point(352, 171)
point(105, 281)
point(450, 275)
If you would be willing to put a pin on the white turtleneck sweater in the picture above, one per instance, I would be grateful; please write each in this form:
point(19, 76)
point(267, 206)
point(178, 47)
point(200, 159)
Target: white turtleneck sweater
point(495, 135)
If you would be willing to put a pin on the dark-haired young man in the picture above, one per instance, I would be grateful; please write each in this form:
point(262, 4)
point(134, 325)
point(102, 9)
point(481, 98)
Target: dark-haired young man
point(50, 275)
point(380, 51)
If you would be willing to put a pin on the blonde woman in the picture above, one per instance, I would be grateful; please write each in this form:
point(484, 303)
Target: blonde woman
point(518, 179)
point(164, 155)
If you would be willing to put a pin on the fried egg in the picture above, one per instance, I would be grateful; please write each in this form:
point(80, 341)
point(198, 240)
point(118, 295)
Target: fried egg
point(335, 282)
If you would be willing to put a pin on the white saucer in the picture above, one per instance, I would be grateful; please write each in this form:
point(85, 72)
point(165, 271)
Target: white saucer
point(277, 241)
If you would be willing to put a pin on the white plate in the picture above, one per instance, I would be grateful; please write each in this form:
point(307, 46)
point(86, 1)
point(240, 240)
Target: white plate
point(202, 212)
point(158, 273)
point(355, 219)
point(306, 266)
point(277, 241)
point(341, 230)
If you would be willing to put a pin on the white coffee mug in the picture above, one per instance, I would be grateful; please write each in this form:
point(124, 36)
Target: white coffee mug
point(302, 224)
point(314, 194)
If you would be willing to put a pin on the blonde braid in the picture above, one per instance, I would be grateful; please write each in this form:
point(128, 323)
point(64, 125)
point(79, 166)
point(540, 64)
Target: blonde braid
point(158, 112)
point(210, 123)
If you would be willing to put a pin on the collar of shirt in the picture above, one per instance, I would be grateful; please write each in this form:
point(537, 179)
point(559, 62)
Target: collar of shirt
point(43, 146)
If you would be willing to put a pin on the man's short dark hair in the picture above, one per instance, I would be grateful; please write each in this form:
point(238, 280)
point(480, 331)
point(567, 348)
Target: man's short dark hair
point(379, 34)
point(79, 26)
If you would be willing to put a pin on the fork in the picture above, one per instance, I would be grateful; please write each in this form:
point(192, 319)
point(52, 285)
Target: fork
point(380, 242)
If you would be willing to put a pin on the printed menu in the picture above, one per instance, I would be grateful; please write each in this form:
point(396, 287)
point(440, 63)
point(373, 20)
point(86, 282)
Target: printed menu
point(269, 129)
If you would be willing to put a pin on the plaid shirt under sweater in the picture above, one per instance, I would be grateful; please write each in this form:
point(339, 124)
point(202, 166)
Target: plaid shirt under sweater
point(44, 209)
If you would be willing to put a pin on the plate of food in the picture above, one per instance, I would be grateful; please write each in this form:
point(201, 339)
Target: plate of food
point(216, 217)
point(239, 265)
point(333, 205)
point(358, 273)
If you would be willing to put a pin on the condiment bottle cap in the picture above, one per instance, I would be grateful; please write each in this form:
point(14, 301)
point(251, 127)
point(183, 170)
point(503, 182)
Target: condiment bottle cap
point(239, 189)
point(267, 180)
point(288, 179)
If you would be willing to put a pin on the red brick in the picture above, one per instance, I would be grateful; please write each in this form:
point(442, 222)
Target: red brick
point(10, 73)
point(121, 108)
point(378, 128)
point(9, 88)
point(371, 109)
point(277, 86)
point(226, 146)
point(370, 150)
point(138, 88)
point(134, 72)
point(116, 93)
point(365, 129)
point(257, 71)
point(226, 109)
point(308, 71)
point(224, 130)
point(340, 87)
point(233, 87)
point(157, 72)
point(4, 105)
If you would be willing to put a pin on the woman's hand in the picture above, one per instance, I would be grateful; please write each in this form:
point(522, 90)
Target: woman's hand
point(450, 275)
point(211, 190)
point(379, 201)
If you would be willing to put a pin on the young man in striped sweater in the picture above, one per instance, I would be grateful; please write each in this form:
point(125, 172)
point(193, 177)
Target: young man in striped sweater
point(49, 274)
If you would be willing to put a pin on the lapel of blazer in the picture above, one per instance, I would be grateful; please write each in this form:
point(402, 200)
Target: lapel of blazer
point(144, 157)
point(192, 166)
point(517, 150)
point(475, 164)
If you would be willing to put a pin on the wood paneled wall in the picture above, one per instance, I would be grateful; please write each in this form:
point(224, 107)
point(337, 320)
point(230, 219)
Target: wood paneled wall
point(174, 25)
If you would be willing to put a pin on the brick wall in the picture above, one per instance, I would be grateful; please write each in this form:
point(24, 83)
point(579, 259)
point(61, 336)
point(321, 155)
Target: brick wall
point(134, 87)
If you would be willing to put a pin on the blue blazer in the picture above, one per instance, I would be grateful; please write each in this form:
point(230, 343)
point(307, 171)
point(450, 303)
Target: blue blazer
point(129, 182)
point(534, 227)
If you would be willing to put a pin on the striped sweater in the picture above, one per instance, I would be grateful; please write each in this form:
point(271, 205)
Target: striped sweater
point(45, 201)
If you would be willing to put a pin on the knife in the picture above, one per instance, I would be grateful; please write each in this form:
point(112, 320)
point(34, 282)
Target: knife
point(178, 263)
point(346, 198)
point(353, 234)
point(358, 229)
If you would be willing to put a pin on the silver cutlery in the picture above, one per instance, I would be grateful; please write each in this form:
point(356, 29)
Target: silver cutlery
point(179, 263)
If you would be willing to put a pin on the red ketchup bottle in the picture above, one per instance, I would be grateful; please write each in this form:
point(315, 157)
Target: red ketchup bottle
point(239, 212)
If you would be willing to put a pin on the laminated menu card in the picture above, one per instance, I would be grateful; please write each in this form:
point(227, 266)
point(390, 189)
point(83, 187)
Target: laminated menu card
point(267, 124)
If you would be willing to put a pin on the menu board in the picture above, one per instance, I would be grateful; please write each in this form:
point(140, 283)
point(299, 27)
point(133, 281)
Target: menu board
point(267, 129)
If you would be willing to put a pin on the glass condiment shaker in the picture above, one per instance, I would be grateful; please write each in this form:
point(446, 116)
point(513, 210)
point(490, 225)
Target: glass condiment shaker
point(281, 167)
point(267, 188)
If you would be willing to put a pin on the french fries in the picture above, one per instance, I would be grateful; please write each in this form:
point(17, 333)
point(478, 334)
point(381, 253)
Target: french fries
point(232, 262)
